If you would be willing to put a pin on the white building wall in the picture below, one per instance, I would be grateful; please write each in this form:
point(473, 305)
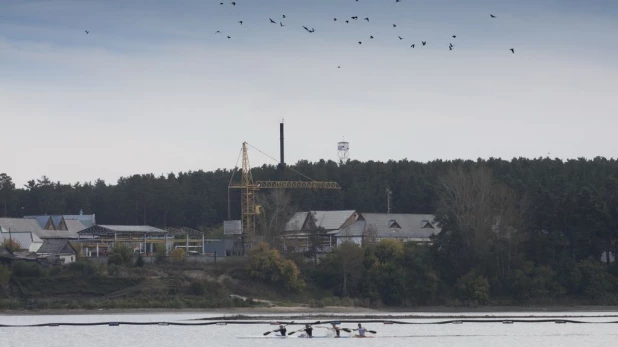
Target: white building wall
point(356, 239)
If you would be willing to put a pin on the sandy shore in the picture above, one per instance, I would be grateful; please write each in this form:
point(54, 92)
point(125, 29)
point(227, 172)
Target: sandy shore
point(294, 311)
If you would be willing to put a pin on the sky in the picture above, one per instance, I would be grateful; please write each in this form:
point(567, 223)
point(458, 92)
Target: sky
point(153, 89)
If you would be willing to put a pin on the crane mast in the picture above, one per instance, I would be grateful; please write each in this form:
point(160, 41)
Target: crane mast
point(248, 189)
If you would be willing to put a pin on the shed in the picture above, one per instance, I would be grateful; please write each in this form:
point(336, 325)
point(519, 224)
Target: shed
point(58, 247)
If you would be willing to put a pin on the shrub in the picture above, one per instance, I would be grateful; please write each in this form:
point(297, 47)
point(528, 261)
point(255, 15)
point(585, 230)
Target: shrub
point(140, 261)
point(28, 269)
point(473, 287)
point(11, 244)
point(268, 265)
point(121, 254)
point(178, 255)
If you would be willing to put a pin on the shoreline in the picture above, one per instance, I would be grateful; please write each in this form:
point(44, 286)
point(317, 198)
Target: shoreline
point(331, 311)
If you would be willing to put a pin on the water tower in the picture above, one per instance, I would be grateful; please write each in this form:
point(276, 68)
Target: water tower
point(343, 150)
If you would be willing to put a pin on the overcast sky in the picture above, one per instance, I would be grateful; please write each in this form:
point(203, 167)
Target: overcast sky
point(153, 89)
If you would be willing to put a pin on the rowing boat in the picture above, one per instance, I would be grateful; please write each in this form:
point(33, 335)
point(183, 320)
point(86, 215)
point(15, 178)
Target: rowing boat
point(303, 336)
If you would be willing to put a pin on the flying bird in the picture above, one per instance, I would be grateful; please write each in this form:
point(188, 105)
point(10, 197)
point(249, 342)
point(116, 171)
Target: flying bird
point(233, 3)
point(424, 42)
point(217, 32)
point(454, 36)
point(240, 22)
point(355, 17)
point(360, 42)
point(229, 37)
point(492, 16)
point(87, 32)
point(513, 50)
point(450, 48)
point(401, 38)
point(347, 21)
point(304, 27)
point(272, 21)
point(371, 37)
point(281, 24)
point(335, 19)
point(394, 25)
point(367, 19)
point(283, 16)
point(412, 46)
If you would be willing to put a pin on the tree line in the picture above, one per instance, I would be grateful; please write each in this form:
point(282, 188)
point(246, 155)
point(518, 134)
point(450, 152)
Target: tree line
point(510, 229)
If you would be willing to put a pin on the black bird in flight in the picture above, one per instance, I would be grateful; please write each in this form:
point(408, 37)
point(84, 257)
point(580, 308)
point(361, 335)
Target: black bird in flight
point(347, 21)
point(401, 38)
point(281, 24)
point(513, 50)
point(229, 37)
point(394, 25)
point(338, 67)
point(492, 16)
point(304, 27)
point(220, 3)
point(454, 36)
point(355, 17)
point(217, 32)
point(412, 46)
point(360, 42)
point(335, 19)
point(450, 48)
point(367, 19)
point(240, 22)
point(272, 21)
point(87, 32)
point(233, 3)
point(312, 30)
point(371, 37)
point(424, 42)
point(283, 16)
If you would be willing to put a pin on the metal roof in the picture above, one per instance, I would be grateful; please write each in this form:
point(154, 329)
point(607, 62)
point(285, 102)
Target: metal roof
point(121, 229)
point(41, 220)
point(27, 240)
point(356, 229)
point(296, 222)
point(56, 246)
point(405, 226)
point(329, 220)
point(74, 225)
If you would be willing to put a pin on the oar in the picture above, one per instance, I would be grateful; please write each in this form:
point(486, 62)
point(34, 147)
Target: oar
point(268, 332)
point(369, 331)
point(294, 332)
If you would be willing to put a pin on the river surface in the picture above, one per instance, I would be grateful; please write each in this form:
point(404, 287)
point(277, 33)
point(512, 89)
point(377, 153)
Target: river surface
point(465, 335)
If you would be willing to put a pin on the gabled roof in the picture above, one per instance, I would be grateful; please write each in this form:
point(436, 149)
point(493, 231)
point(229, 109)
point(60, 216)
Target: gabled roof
point(43, 221)
point(408, 226)
point(329, 220)
point(296, 222)
point(56, 220)
point(19, 224)
point(56, 246)
point(124, 229)
point(356, 229)
point(74, 225)
point(27, 240)
point(87, 220)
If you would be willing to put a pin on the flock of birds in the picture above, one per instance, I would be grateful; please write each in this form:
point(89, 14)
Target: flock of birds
point(346, 20)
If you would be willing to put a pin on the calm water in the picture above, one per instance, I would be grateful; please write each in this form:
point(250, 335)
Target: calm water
point(467, 334)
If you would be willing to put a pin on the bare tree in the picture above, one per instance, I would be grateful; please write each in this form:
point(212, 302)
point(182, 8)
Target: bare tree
point(370, 235)
point(276, 210)
point(480, 214)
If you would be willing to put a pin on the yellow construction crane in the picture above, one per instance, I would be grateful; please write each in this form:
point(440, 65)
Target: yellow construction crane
point(248, 189)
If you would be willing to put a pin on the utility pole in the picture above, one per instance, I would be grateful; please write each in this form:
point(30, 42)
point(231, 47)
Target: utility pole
point(389, 194)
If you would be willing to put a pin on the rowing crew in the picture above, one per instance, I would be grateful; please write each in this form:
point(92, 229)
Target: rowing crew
point(308, 329)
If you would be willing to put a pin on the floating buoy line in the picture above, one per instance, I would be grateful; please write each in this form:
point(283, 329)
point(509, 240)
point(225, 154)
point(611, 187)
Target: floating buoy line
point(364, 321)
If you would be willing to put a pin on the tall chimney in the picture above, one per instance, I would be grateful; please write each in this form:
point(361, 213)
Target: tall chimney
point(281, 151)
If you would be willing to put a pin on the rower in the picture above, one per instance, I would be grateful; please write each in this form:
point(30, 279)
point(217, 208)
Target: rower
point(336, 328)
point(309, 330)
point(361, 330)
point(282, 330)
